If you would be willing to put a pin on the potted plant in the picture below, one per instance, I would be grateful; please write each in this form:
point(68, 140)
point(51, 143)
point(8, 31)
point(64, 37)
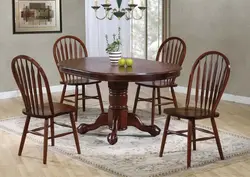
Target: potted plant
point(114, 48)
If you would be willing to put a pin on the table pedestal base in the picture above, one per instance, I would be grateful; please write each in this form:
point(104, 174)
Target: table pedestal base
point(118, 118)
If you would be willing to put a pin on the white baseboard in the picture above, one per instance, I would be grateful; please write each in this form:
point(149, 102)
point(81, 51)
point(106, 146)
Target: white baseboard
point(16, 93)
point(225, 96)
point(179, 89)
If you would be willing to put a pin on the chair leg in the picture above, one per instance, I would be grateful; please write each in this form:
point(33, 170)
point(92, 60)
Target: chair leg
point(159, 100)
point(217, 138)
point(99, 97)
point(174, 98)
point(194, 134)
point(52, 130)
point(25, 130)
point(45, 141)
point(76, 102)
point(136, 98)
point(153, 107)
point(189, 140)
point(75, 133)
point(164, 137)
point(83, 98)
point(63, 93)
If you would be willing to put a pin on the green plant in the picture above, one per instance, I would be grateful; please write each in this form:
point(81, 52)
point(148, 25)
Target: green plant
point(115, 45)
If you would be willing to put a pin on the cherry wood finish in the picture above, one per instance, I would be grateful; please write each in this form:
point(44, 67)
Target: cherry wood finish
point(69, 47)
point(172, 50)
point(118, 118)
point(209, 77)
point(31, 79)
point(100, 67)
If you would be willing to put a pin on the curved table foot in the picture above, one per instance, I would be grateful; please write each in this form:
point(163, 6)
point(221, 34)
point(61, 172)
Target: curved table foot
point(100, 121)
point(134, 120)
point(112, 138)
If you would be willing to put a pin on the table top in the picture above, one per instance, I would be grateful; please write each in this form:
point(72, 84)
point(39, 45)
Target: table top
point(100, 68)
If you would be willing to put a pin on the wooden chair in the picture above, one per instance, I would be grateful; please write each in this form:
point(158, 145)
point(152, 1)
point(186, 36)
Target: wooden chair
point(172, 50)
point(30, 79)
point(209, 76)
point(70, 47)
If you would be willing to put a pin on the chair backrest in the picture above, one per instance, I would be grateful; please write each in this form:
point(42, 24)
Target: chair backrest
point(208, 77)
point(172, 50)
point(30, 79)
point(68, 47)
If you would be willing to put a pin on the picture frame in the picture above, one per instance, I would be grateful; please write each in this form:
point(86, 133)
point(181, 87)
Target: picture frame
point(37, 16)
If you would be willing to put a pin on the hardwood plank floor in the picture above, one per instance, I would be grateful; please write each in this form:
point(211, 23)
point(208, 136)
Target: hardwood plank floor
point(234, 117)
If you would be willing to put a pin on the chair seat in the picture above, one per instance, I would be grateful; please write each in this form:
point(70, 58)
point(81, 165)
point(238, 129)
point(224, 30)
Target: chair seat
point(159, 83)
point(59, 109)
point(81, 81)
point(190, 113)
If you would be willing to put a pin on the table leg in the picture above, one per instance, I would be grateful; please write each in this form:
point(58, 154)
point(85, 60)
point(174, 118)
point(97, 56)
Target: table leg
point(118, 118)
point(134, 120)
point(100, 121)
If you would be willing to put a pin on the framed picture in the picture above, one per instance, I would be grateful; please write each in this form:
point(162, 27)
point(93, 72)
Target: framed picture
point(37, 16)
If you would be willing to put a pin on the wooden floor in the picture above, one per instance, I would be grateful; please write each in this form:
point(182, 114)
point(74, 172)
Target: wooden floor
point(234, 117)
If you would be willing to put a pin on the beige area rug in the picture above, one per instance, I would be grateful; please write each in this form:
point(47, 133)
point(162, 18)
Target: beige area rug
point(136, 152)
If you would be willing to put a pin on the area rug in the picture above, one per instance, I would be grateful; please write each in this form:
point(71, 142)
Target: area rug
point(135, 153)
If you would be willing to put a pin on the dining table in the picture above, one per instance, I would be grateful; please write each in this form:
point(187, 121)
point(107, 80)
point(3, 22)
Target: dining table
point(118, 117)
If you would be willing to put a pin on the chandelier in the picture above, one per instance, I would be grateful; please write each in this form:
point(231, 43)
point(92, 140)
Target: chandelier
point(127, 12)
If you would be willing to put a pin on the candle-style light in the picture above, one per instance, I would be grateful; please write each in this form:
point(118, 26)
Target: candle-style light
point(96, 2)
point(119, 12)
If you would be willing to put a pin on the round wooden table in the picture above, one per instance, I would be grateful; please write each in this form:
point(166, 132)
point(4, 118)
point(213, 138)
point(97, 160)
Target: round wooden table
point(118, 118)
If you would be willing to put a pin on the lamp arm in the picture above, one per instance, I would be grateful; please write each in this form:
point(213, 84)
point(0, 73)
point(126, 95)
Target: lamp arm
point(137, 18)
point(102, 18)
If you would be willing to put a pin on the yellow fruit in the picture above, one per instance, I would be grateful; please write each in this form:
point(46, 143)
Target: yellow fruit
point(121, 62)
point(129, 62)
